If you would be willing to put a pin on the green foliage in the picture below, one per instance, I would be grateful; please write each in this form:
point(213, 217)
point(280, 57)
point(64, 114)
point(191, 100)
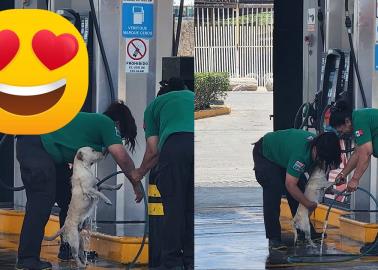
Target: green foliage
point(210, 87)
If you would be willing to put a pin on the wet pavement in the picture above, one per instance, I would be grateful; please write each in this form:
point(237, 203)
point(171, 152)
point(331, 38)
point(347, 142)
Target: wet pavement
point(230, 234)
point(229, 225)
point(8, 255)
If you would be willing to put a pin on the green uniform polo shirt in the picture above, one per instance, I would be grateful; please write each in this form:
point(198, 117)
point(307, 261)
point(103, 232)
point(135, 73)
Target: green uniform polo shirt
point(365, 127)
point(86, 129)
point(289, 149)
point(169, 113)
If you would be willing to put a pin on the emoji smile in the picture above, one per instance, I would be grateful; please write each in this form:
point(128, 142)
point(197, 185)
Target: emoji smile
point(29, 100)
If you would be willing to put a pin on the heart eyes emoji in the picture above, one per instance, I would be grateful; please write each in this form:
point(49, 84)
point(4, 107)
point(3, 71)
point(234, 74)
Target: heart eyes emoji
point(53, 51)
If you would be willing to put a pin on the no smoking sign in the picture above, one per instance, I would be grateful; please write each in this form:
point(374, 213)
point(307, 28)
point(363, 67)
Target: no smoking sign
point(137, 55)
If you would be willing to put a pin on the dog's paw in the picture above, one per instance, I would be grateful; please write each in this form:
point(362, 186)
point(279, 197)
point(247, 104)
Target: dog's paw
point(108, 202)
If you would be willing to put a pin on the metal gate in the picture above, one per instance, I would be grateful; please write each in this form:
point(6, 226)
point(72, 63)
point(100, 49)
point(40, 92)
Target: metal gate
point(235, 38)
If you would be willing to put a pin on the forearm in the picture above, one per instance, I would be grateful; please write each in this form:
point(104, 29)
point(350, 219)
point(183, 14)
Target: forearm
point(127, 165)
point(297, 194)
point(351, 164)
point(150, 159)
point(122, 158)
point(362, 165)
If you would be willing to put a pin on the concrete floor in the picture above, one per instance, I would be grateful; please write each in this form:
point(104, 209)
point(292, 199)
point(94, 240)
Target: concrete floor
point(229, 226)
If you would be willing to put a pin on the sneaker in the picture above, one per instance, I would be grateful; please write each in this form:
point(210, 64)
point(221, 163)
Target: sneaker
point(33, 265)
point(275, 244)
point(65, 252)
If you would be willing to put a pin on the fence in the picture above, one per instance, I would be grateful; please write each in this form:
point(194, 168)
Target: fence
point(234, 38)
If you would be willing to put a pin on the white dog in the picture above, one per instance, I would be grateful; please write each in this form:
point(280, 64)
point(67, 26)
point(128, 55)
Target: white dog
point(315, 188)
point(85, 196)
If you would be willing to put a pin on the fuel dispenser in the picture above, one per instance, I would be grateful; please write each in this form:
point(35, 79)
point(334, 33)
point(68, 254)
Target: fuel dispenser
point(84, 24)
point(339, 50)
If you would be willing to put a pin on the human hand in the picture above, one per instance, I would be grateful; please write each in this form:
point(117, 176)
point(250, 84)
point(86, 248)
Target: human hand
point(136, 176)
point(138, 192)
point(340, 179)
point(311, 206)
point(352, 185)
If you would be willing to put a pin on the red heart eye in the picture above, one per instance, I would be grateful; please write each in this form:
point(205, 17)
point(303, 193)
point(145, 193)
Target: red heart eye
point(54, 51)
point(9, 45)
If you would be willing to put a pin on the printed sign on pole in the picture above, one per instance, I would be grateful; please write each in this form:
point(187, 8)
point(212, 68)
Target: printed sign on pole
point(311, 20)
point(137, 55)
point(137, 18)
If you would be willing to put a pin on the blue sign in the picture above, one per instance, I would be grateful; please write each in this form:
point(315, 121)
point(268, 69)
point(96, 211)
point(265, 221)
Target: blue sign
point(137, 19)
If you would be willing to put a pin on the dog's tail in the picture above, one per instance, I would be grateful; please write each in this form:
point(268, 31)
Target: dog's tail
point(53, 237)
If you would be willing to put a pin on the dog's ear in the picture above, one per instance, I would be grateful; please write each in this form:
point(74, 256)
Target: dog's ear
point(79, 156)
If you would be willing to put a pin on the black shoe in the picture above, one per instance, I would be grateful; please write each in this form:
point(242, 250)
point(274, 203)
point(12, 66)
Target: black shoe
point(275, 244)
point(33, 265)
point(65, 252)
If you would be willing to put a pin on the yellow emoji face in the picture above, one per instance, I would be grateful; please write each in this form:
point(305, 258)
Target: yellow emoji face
point(43, 71)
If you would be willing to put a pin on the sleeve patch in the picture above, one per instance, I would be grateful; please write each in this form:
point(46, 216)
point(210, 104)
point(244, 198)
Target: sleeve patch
point(299, 166)
point(359, 133)
point(117, 132)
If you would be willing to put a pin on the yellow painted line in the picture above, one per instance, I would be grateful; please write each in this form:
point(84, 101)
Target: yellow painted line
point(153, 191)
point(215, 111)
point(116, 248)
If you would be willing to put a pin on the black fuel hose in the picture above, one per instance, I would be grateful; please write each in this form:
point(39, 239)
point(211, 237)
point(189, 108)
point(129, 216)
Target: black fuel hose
point(102, 50)
point(321, 23)
point(99, 183)
point(348, 25)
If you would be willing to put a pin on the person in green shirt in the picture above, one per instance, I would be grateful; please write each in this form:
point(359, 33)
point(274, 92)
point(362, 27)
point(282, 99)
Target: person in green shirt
point(169, 131)
point(280, 160)
point(363, 125)
point(44, 163)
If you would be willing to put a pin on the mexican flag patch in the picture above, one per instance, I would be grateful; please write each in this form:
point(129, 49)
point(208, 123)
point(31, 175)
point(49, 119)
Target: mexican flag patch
point(118, 134)
point(299, 166)
point(359, 133)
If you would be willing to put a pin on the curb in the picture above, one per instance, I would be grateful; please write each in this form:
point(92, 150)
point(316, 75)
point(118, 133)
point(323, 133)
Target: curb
point(356, 230)
point(120, 249)
point(215, 111)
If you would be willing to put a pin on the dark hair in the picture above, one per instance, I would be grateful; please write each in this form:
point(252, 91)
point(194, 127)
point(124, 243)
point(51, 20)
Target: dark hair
point(328, 150)
point(173, 84)
point(119, 112)
point(339, 113)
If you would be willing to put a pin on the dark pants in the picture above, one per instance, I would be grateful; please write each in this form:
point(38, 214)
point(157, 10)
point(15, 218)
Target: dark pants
point(155, 222)
point(176, 185)
point(45, 183)
point(272, 179)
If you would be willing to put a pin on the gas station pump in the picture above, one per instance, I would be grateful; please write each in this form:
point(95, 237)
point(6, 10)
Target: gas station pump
point(339, 50)
point(84, 24)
